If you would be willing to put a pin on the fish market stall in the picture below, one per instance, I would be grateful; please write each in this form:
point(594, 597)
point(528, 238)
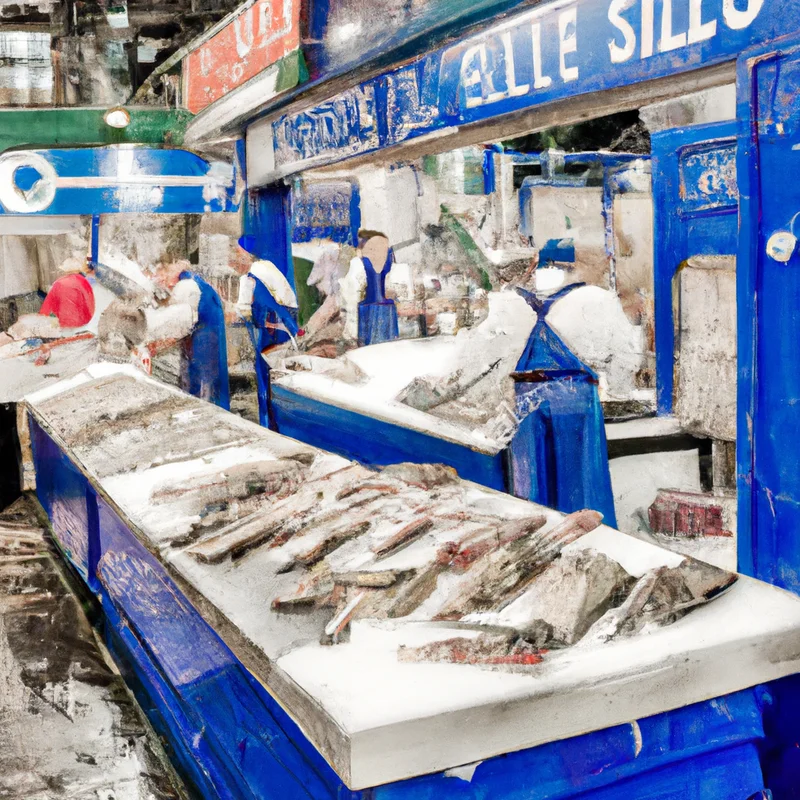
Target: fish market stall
point(451, 398)
point(57, 190)
point(54, 206)
point(303, 626)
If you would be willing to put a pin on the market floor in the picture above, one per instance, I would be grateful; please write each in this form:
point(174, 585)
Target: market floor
point(69, 728)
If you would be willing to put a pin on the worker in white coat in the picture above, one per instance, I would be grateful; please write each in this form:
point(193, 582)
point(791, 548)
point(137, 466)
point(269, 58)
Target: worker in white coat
point(268, 304)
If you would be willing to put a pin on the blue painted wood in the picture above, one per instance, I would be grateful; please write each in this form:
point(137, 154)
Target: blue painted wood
point(95, 243)
point(59, 178)
point(376, 442)
point(695, 212)
point(232, 740)
point(538, 56)
point(768, 294)
point(326, 210)
point(339, 35)
point(62, 491)
point(780, 754)
point(266, 227)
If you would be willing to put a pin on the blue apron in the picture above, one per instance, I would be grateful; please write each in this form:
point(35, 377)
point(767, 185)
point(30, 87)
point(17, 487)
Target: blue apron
point(204, 362)
point(559, 455)
point(268, 311)
point(377, 316)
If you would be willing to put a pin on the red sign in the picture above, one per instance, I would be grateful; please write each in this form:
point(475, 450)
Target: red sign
point(259, 35)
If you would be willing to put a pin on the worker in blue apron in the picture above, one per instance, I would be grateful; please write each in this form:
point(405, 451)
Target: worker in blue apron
point(268, 304)
point(377, 315)
point(559, 455)
point(204, 356)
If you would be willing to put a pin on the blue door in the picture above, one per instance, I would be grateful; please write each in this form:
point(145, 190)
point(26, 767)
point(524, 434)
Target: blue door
point(768, 269)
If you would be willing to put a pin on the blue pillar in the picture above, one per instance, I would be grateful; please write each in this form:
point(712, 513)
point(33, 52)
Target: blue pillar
point(266, 227)
point(95, 255)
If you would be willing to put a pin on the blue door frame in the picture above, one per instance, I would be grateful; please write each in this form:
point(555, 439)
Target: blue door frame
point(692, 215)
point(266, 227)
point(768, 455)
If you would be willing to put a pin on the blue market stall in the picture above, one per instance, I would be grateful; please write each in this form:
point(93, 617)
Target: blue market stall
point(315, 409)
point(253, 704)
point(555, 65)
point(55, 192)
point(252, 701)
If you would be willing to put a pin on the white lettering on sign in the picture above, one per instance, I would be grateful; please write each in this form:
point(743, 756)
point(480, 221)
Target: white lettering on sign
point(735, 19)
point(621, 54)
point(505, 64)
point(648, 16)
point(568, 42)
point(511, 76)
point(540, 81)
point(669, 40)
point(698, 30)
point(471, 76)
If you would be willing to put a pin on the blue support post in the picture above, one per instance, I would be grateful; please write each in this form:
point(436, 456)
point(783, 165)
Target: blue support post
point(266, 227)
point(95, 256)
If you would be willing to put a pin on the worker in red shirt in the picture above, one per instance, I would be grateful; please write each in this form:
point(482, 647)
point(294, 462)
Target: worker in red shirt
point(67, 309)
point(71, 298)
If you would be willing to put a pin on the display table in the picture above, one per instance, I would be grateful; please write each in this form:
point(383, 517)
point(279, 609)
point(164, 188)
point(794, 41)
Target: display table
point(254, 705)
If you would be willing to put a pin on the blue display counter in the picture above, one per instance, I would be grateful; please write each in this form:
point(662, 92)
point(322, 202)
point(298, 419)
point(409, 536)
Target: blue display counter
point(238, 727)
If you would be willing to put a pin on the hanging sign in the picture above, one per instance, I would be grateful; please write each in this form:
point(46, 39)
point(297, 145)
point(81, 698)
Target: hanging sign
point(552, 52)
point(258, 35)
point(103, 180)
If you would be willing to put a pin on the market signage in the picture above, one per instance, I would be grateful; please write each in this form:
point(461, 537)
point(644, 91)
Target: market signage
point(555, 51)
point(257, 36)
point(104, 180)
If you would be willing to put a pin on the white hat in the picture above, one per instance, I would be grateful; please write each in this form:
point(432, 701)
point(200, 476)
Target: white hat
point(74, 265)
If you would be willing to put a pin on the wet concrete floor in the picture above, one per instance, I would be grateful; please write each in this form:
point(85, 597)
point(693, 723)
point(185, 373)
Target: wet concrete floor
point(69, 728)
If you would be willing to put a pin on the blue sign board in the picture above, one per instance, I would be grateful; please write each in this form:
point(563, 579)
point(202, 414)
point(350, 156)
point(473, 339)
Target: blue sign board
point(104, 180)
point(326, 210)
point(551, 52)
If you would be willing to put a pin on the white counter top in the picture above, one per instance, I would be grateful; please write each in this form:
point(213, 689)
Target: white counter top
point(374, 718)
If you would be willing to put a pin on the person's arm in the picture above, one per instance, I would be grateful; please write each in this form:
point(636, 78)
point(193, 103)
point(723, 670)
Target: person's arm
point(244, 303)
point(284, 316)
point(175, 321)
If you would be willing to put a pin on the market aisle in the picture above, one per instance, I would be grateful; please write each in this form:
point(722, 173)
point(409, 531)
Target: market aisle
point(68, 726)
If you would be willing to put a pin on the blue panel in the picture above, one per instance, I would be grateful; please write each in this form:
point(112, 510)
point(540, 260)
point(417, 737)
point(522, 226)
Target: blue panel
point(340, 35)
point(103, 180)
point(326, 210)
point(695, 213)
point(769, 325)
point(552, 52)
point(95, 243)
point(62, 491)
point(265, 227)
point(780, 752)
point(702, 751)
point(708, 178)
point(378, 443)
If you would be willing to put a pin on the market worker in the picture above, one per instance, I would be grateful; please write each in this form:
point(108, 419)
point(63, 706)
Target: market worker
point(71, 297)
point(69, 305)
point(194, 316)
point(268, 304)
point(377, 315)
